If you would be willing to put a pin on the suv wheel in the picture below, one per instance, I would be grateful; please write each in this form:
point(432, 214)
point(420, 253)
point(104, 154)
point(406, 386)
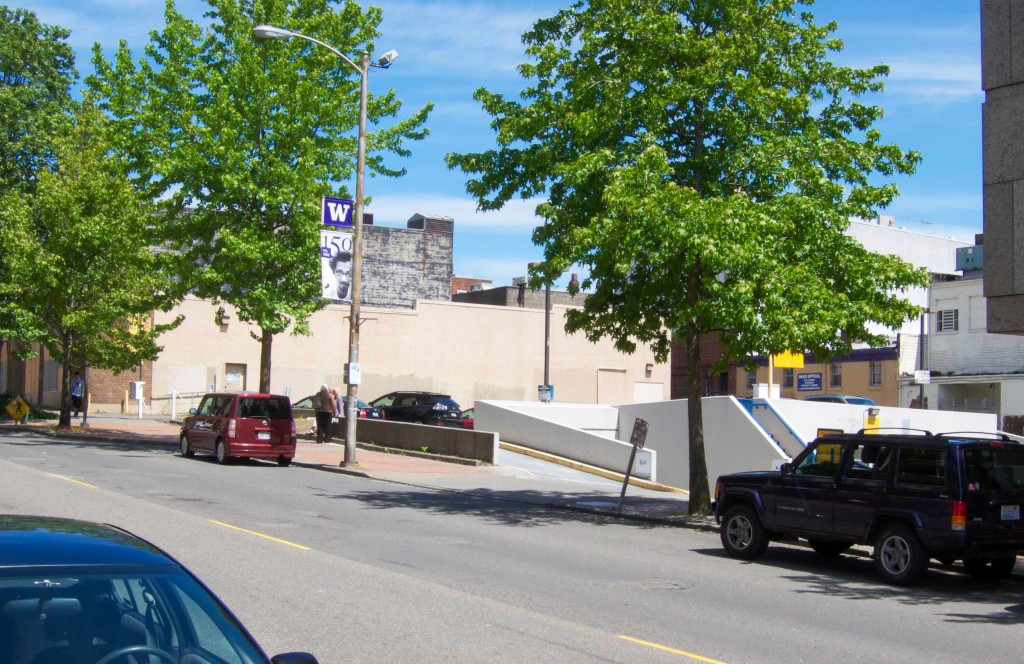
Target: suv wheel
point(992, 569)
point(186, 447)
point(742, 534)
point(829, 549)
point(284, 461)
point(899, 557)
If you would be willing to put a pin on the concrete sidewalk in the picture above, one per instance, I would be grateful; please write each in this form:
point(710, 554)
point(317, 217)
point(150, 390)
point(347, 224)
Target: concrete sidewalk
point(499, 482)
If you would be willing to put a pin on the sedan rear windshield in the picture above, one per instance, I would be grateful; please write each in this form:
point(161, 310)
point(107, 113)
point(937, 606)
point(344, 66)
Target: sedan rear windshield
point(995, 468)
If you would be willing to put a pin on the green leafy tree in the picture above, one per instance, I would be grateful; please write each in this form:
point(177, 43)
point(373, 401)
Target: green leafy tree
point(37, 69)
point(243, 139)
point(701, 159)
point(81, 265)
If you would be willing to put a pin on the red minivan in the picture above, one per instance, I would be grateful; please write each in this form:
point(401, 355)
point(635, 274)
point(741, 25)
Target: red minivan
point(241, 424)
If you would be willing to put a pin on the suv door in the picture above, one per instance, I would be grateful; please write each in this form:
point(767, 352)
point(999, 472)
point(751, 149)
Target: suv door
point(863, 487)
point(806, 497)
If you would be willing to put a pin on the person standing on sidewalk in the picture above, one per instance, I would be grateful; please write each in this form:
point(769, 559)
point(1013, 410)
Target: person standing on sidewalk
point(77, 392)
point(325, 406)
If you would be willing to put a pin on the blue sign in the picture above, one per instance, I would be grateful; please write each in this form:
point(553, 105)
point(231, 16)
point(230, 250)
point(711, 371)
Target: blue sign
point(336, 211)
point(809, 382)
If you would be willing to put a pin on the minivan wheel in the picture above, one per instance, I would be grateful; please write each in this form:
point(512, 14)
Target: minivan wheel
point(742, 534)
point(990, 569)
point(899, 556)
point(284, 461)
point(221, 452)
point(186, 447)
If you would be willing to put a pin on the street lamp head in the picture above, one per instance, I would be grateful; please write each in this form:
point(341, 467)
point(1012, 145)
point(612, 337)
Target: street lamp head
point(269, 32)
point(385, 60)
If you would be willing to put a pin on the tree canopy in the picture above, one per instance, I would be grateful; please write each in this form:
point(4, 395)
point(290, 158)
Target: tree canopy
point(81, 265)
point(701, 160)
point(242, 139)
point(37, 69)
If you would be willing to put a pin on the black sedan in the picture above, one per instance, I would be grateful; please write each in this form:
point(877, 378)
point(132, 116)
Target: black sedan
point(76, 591)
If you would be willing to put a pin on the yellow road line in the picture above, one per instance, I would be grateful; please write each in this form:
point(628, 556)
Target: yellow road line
point(253, 532)
point(671, 650)
point(61, 477)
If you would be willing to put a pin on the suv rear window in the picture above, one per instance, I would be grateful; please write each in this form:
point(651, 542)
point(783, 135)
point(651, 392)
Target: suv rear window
point(994, 468)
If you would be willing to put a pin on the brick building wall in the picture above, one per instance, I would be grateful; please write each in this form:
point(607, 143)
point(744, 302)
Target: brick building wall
point(401, 265)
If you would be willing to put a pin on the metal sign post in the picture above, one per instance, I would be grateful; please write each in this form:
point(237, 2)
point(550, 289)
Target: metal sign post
point(637, 440)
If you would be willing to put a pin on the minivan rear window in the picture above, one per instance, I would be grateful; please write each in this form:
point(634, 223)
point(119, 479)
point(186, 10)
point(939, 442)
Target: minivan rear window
point(272, 408)
point(994, 468)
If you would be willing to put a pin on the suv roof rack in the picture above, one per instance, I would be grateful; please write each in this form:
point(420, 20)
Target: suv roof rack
point(923, 432)
point(977, 434)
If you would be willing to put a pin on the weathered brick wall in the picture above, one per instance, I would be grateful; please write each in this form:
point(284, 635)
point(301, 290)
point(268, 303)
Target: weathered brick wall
point(401, 265)
point(109, 388)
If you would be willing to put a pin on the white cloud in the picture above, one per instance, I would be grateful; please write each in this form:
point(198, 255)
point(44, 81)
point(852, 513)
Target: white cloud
point(517, 215)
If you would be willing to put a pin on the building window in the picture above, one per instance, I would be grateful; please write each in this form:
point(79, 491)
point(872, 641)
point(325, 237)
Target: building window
point(723, 382)
point(948, 320)
point(707, 384)
point(876, 373)
point(751, 379)
point(837, 375)
point(787, 378)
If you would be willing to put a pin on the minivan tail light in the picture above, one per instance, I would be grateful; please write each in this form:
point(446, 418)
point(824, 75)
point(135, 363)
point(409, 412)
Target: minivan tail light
point(959, 515)
point(231, 428)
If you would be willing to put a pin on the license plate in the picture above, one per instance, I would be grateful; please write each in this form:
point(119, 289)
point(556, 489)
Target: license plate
point(1011, 513)
point(263, 435)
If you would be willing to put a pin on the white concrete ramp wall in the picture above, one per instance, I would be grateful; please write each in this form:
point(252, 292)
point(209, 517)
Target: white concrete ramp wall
point(806, 417)
point(582, 432)
point(732, 439)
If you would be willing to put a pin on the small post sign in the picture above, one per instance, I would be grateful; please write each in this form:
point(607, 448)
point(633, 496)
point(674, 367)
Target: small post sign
point(17, 409)
point(637, 440)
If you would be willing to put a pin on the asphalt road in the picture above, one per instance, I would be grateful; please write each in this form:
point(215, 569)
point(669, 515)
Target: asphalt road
point(360, 570)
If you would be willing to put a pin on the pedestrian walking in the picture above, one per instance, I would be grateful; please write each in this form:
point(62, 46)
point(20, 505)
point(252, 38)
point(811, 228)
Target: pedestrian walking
point(339, 404)
point(77, 392)
point(325, 406)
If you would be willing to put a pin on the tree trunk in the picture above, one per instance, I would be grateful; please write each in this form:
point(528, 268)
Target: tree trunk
point(700, 495)
point(65, 392)
point(266, 343)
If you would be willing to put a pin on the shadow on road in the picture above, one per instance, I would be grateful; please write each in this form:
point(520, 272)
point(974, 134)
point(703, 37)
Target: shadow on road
point(853, 578)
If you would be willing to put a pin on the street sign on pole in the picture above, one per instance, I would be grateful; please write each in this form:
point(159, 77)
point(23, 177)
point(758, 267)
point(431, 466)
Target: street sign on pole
point(637, 440)
point(17, 409)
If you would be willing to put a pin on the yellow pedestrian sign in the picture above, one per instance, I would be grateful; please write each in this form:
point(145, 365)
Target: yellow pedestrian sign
point(17, 408)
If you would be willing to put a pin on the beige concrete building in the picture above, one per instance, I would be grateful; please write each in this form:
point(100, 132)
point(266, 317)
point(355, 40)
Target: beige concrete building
point(470, 351)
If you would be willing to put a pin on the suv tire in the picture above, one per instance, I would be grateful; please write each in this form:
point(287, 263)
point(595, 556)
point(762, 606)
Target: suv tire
point(899, 557)
point(991, 569)
point(742, 534)
point(186, 447)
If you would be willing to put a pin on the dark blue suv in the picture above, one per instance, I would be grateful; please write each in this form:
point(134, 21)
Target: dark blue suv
point(911, 496)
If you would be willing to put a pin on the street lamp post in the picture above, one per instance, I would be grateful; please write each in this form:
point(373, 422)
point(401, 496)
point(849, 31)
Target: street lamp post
point(268, 32)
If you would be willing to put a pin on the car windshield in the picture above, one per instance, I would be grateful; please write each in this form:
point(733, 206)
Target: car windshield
point(860, 401)
point(61, 615)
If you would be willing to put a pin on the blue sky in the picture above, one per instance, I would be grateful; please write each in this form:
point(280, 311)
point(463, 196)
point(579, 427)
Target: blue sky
point(449, 48)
